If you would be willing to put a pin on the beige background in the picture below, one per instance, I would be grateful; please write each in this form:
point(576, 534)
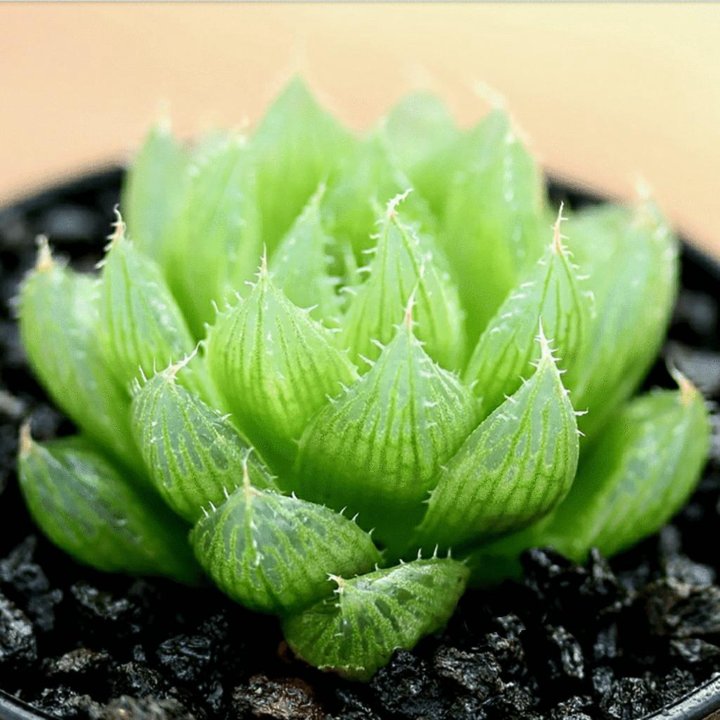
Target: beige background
point(606, 93)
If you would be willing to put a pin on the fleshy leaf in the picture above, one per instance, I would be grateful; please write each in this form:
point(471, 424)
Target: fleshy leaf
point(634, 478)
point(403, 267)
point(513, 469)
point(550, 293)
point(631, 261)
point(86, 507)
point(141, 328)
point(296, 147)
point(637, 475)
point(377, 448)
point(218, 219)
point(423, 135)
point(274, 553)
point(275, 366)
point(300, 265)
point(58, 326)
point(492, 223)
point(153, 190)
point(356, 631)
point(418, 127)
point(368, 179)
point(193, 453)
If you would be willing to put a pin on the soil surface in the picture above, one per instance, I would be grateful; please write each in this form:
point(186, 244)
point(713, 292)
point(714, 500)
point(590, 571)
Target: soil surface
point(610, 640)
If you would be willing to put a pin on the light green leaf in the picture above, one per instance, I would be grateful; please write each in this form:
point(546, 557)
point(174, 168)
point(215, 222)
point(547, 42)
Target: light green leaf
point(296, 146)
point(153, 190)
point(493, 218)
point(193, 453)
point(423, 136)
point(58, 327)
point(216, 238)
point(355, 632)
point(402, 268)
point(551, 293)
point(417, 128)
point(514, 468)
point(141, 328)
point(368, 179)
point(275, 366)
point(86, 507)
point(377, 448)
point(636, 476)
point(275, 553)
point(301, 265)
point(630, 257)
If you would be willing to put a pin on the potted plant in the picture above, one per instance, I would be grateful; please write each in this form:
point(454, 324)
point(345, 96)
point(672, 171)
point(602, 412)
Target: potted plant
point(222, 379)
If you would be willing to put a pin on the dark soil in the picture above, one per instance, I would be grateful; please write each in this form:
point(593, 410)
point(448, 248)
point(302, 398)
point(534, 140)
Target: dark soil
point(610, 640)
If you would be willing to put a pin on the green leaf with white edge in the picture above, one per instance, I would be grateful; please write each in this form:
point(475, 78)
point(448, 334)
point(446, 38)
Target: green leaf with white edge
point(153, 190)
point(631, 259)
point(492, 226)
point(514, 468)
point(275, 366)
point(377, 448)
point(551, 293)
point(275, 553)
point(97, 515)
point(218, 218)
point(637, 475)
point(301, 265)
point(423, 135)
point(296, 146)
point(58, 312)
point(402, 267)
point(368, 179)
point(193, 453)
point(356, 631)
point(141, 328)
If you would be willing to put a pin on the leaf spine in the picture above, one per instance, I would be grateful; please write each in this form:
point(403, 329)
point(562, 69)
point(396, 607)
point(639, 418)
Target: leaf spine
point(44, 261)
point(688, 391)
point(394, 202)
point(557, 242)
point(25, 441)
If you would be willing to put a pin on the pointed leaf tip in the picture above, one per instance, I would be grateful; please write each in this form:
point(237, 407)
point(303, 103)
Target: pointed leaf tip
point(44, 261)
point(405, 265)
point(276, 367)
point(514, 468)
point(547, 304)
point(688, 391)
point(25, 440)
point(557, 241)
point(377, 447)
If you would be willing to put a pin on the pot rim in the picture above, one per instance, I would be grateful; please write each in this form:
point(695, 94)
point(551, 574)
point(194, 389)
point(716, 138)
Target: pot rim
point(701, 703)
point(12, 708)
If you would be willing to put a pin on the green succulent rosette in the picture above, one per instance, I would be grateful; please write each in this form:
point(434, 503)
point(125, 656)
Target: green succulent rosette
point(341, 376)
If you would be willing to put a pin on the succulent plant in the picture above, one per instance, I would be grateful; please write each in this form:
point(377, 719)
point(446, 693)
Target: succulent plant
point(342, 376)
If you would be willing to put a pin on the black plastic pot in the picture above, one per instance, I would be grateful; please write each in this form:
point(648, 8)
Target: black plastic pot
point(699, 272)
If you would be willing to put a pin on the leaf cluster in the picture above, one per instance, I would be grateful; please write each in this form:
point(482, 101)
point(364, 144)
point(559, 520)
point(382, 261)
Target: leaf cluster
point(341, 376)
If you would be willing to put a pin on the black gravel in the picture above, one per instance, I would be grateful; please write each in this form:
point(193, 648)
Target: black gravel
point(610, 640)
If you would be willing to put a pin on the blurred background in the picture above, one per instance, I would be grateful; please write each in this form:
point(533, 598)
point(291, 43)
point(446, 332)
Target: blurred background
point(606, 93)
